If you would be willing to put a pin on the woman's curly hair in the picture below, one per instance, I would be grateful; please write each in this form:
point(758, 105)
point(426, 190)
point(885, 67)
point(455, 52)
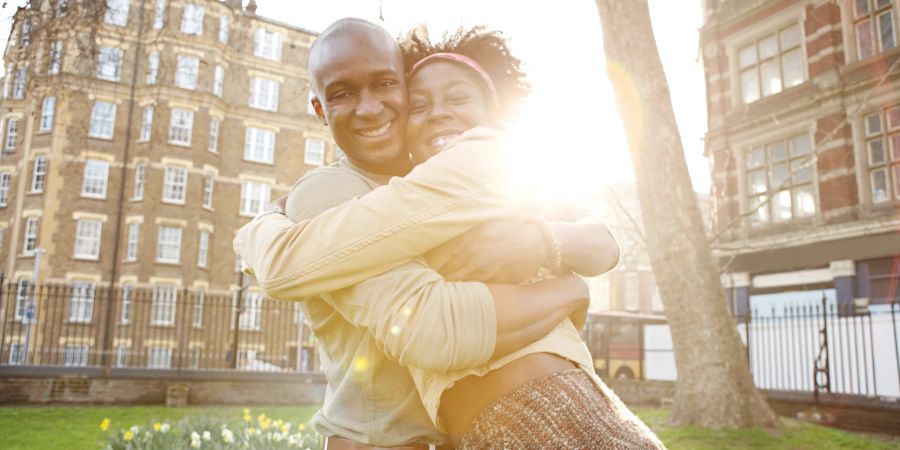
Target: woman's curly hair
point(488, 48)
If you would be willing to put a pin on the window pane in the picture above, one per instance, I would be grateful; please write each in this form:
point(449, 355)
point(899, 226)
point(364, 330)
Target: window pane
point(747, 56)
point(771, 77)
point(802, 171)
point(757, 181)
point(800, 145)
point(886, 30)
point(879, 185)
point(792, 65)
point(779, 175)
point(895, 146)
point(781, 206)
point(882, 3)
point(893, 117)
point(897, 181)
point(760, 213)
point(756, 158)
point(861, 7)
point(790, 37)
point(873, 124)
point(750, 86)
point(778, 152)
point(864, 39)
point(804, 201)
point(876, 151)
point(768, 47)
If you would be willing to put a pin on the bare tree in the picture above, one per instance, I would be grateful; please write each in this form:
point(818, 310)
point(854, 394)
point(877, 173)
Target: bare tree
point(714, 387)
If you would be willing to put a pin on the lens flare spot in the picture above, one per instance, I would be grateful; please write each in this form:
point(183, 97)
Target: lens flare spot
point(395, 330)
point(361, 364)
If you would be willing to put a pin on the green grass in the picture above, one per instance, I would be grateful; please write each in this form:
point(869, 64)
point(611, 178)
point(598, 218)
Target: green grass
point(78, 427)
point(794, 434)
point(64, 427)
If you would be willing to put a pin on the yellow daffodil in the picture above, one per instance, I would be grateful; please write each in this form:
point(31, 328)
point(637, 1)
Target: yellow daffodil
point(251, 431)
point(246, 411)
point(247, 418)
point(301, 427)
point(157, 426)
point(128, 436)
point(104, 425)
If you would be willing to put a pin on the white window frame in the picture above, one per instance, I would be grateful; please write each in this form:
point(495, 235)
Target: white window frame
point(19, 83)
point(96, 179)
point(22, 294)
point(16, 352)
point(214, 125)
point(26, 32)
point(187, 72)
point(209, 183)
point(48, 110)
point(76, 355)
point(203, 250)
point(887, 138)
point(197, 316)
point(251, 316)
point(164, 305)
point(12, 134)
point(55, 60)
point(109, 63)
point(30, 236)
point(219, 81)
point(254, 197)
point(146, 124)
point(268, 44)
point(314, 152)
point(152, 67)
point(223, 29)
point(759, 62)
point(159, 14)
point(259, 145)
point(81, 301)
point(264, 93)
point(181, 127)
point(872, 16)
point(134, 236)
point(116, 12)
point(159, 357)
point(38, 174)
point(175, 183)
point(764, 160)
point(5, 178)
point(121, 356)
point(192, 20)
point(103, 120)
point(127, 299)
point(140, 173)
point(87, 239)
point(168, 245)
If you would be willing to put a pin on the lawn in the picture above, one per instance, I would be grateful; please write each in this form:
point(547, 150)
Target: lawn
point(63, 427)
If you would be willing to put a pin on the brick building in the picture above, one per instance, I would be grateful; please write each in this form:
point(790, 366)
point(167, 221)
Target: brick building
point(804, 146)
point(137, 136)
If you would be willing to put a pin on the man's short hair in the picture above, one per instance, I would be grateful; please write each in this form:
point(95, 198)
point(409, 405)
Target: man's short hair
point(341, 27)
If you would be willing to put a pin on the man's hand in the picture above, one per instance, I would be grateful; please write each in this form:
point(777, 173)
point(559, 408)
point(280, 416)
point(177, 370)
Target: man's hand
point(498, 252)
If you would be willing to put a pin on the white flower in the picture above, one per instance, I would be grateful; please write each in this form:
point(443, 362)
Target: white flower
point(195, 436)
point(277, 437)
point(164, 428)
point(227, 436)
point(207, 435)
point(134, 429)
point(195, 443)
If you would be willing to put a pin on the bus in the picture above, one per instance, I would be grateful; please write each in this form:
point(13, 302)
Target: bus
point(618, 342)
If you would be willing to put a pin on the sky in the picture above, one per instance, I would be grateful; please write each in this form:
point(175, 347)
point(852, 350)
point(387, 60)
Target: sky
point(572, 138)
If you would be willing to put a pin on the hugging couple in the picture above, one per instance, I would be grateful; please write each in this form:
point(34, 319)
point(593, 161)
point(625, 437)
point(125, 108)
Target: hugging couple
point(445, 305)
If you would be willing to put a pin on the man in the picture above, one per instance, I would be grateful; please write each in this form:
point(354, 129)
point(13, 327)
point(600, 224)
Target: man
point(356, 72)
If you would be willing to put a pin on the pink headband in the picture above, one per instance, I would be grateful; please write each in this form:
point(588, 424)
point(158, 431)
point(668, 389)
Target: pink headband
point(466, 61)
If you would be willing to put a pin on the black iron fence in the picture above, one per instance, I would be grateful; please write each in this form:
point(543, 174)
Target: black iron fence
point(80, 324)
point(821, 348)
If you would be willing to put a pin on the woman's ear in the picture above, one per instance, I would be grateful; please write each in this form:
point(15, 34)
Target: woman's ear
point(320, 113)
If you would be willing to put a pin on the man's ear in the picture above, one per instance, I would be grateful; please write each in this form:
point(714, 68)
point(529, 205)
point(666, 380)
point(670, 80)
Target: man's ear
point(320, 113)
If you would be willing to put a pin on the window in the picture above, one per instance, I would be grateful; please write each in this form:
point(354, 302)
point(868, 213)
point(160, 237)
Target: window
point(131, 251)
point(187, 72)
point(19, 84)
point(873, 21)
point(194, 355)
point(175, 185)
point(121, 356)
point(168, 247)
point(213, 145)
point(139, 174)
point(203, 249)
point(159, 358)
point(780, 180)
point(6, 80)
point(259, 145)
point(159, 14)
point(223, 29)
point(882, 130)
point(192, 20)
point(110, 64)
point(314, 153)
point(12, 131)
point(4, 188)
point(116, 12)
point(251, 317)
point(16, 354)
point(771, 64)
point(208, 185)
point(55, 58)
point(22, 294)
point(62, 8)
point(75, 355)
point(254, 197)
point(264, 94)
point(152, 67)
point(125, 314)
point(48, 108)
point(96, 174)
point(87, 239)
point(26, 32)
point(298, 313)
point(81, 301)
point(199, 298)
point(162, 309)
point(267, 44)
point(103, 120)
point(146, 124)
point(30, 235)
point(38, 174)
point(181, 127)
point(632, 298)
point(219, 81)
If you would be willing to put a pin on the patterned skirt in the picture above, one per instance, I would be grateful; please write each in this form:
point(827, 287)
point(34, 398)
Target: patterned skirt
point(565, 410)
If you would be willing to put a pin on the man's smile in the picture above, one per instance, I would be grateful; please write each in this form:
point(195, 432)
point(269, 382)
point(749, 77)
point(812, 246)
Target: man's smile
point(377, 132)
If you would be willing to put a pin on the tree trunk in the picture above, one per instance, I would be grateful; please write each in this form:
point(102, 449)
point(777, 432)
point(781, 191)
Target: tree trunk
point(714, 387)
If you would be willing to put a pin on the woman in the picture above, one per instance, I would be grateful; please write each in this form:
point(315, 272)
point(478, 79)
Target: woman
point(546, 394)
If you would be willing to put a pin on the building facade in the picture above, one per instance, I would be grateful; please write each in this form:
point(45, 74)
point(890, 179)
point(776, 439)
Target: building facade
point(137, 137)
point(804, 147)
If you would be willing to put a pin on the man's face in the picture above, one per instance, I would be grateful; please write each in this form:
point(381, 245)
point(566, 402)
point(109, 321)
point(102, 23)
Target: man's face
point(362, 93)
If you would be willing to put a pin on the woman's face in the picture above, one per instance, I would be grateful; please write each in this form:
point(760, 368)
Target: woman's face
point(445, 99)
